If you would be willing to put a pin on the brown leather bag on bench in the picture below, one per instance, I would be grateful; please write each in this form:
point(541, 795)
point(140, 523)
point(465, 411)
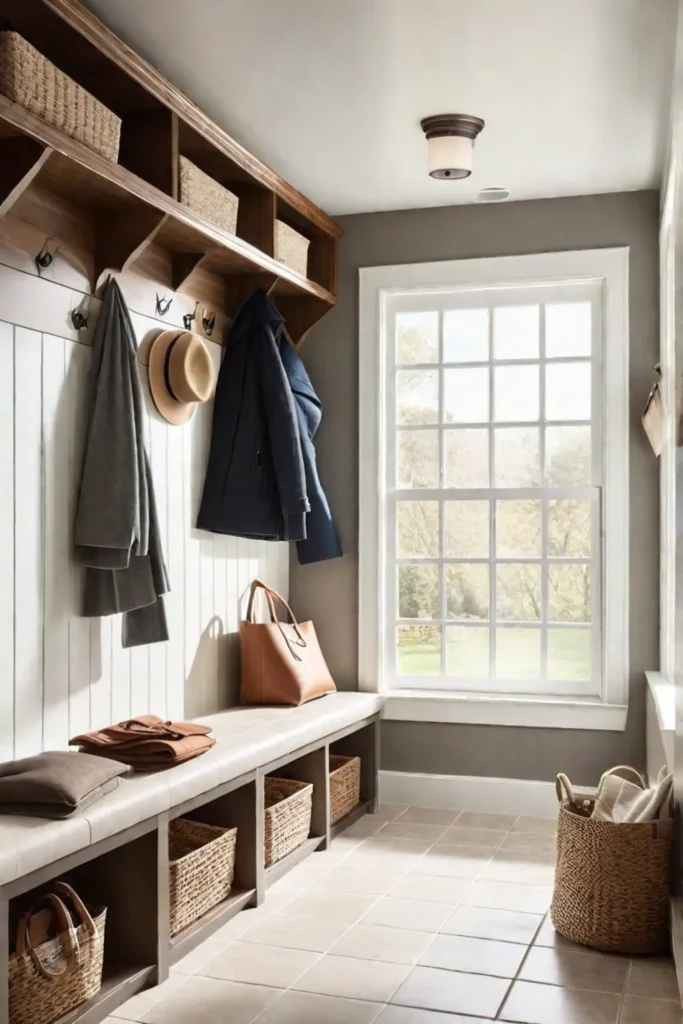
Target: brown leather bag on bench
point(147, 743)
point(281, 661)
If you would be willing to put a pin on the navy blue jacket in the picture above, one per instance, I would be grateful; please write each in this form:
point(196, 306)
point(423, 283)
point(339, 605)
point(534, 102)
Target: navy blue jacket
point(261, 479)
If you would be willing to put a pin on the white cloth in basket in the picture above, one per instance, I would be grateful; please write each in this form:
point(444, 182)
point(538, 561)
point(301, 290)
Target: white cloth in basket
point(623, 796)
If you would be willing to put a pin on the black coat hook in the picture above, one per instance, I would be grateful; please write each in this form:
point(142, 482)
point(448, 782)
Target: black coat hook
point(163, 305)
point(44, 258)
point(208, 323)
point(189, 318)
point(79, 320)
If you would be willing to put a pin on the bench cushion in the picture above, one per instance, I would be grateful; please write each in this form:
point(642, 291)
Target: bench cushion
point(246, 739)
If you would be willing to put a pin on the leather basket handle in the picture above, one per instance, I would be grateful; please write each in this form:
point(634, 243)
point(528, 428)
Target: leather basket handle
point(624, 771)
point(563, 788)
point(67, 935)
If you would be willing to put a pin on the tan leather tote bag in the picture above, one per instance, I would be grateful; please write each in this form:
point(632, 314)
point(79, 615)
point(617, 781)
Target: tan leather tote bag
point(281, 661)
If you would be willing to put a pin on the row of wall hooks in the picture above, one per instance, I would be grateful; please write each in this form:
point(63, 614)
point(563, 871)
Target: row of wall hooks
point(79, 315)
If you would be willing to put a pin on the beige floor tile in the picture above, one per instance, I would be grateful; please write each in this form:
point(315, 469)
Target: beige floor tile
point(484, 923)
point(650, 1011)
point(199, 956)
point(474, 956)
point(247, 962)
point(296, 931)
point(482, 837)
point(409, 1015)
point(547, 936)
point(416, 915)
point(519, 866)
point(407, 830)
point(536, 826)
point(429, 816)
point(458, 861)
point(377, 942)
point(498, 822)
point(305, 1008)
point(575, 970)
point(352, 978)
point(134, 1008)
point(205, 1001)
point(653, 979)
point(548, 1004)
point(532, 843)
point(359, 883)
point(531, 899)
point(402, 847)
point(416, 886)
point(363, 828)
point(333, 905)
point(388, 812)
point(376, 859)
point(451, 992)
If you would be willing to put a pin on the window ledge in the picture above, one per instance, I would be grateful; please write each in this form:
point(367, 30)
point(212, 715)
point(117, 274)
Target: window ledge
point(526, 712)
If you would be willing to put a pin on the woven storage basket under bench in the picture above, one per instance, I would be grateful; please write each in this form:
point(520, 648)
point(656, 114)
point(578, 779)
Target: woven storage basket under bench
point(32, 81)
point(344, 786)
point(201, 869)
point(289, 807)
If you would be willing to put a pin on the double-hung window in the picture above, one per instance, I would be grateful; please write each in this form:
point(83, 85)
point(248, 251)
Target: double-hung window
point(494, 464)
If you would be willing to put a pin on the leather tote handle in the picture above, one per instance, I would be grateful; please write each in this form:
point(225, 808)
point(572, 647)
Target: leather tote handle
point(66, 929)
point(271, 597)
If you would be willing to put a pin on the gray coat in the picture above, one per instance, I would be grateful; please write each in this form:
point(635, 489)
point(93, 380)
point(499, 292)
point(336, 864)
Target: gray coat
point(117, 531)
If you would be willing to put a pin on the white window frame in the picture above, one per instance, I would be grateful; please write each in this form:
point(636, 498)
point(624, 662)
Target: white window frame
point(380, 286)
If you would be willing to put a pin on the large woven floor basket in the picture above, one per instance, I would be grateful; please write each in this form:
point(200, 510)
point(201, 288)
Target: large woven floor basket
point(32, 81)
point(201, 869)
point(289, 806)
point(38, 992)
point(344, 785)
point(612, 883)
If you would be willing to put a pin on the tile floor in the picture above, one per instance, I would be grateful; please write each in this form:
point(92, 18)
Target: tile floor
point(414, 916)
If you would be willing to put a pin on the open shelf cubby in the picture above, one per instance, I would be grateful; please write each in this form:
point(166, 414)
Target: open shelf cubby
point(111, 212)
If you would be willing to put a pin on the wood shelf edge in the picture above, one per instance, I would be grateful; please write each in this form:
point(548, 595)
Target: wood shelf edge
point(50, 137)
point(21, 160)
point(97, 33)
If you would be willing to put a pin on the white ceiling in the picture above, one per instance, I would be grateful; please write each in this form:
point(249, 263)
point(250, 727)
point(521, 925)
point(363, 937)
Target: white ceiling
point(330, 93)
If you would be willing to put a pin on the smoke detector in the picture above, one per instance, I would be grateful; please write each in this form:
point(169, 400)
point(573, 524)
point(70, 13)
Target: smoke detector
point(450, 141)
point(494, 194)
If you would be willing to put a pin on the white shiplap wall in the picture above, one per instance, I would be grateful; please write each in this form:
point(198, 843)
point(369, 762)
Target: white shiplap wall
point(60, 673)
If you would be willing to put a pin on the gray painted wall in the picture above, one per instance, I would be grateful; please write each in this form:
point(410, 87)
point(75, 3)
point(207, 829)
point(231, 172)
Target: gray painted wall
point(327, 592)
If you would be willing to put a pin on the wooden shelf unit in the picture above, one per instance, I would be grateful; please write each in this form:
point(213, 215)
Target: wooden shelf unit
point(121, 209)
point(129, 871)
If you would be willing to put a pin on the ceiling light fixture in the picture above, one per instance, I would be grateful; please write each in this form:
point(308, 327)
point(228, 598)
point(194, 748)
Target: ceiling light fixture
point(450, 141)
point(492, 194)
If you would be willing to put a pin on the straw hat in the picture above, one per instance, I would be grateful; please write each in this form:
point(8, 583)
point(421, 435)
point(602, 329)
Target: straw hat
point(180, 374)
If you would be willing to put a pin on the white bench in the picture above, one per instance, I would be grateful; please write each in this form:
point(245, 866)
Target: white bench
point(116, 851)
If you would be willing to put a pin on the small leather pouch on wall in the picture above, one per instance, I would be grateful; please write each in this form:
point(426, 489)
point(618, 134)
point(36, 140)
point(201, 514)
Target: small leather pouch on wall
point(282, 662)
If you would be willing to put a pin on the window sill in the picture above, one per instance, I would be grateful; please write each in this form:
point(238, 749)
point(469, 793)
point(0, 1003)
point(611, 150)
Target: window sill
point(525, 712)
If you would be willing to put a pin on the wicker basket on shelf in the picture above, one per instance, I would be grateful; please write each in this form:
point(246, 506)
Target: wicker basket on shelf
point(291, 248)
point(32, 81)
point(206, 196)
point(344, 785)
point(201, 869)
point(62, 972)
point(289, 806)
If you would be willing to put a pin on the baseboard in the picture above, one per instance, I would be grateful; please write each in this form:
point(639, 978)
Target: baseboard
point(469, 793)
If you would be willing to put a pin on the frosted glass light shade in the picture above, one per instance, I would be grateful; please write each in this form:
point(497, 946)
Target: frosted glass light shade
point(450, 156)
